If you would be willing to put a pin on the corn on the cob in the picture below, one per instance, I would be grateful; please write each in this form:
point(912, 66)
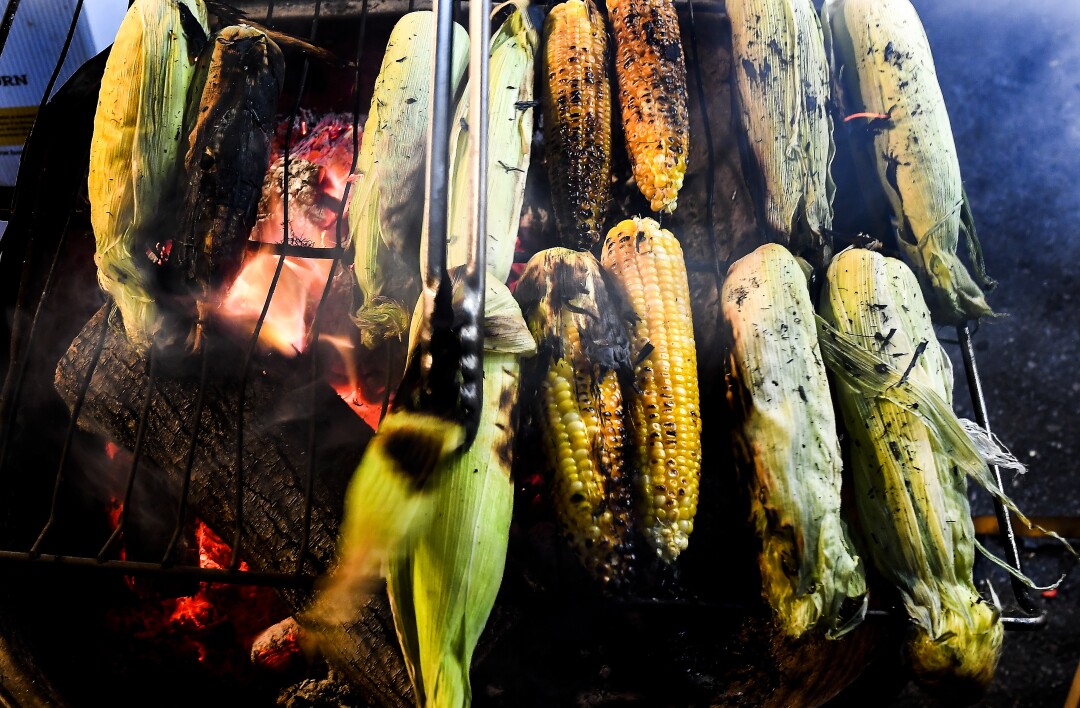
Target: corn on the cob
point(384, 213)
point(443, 586)
point(782, 82)
point(387, 498)
point(786, 437)
point(910, 489)
point(583, 355)
point(577, 121)
point(882, 60)
point(510, 133)
point(647, 262)
point(651, 73)
point(138, 128)
point(236, 84)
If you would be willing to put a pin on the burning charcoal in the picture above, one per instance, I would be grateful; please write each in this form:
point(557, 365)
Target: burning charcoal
point(238, 79)
point(278, 648)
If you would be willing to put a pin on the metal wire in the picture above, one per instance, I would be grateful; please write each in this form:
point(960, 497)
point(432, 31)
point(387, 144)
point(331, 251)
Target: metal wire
point(238, 509)
point(76, 409)
point(309, 480)
point(136, 458)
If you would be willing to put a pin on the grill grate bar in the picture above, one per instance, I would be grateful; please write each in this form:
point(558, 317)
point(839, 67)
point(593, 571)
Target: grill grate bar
point(72, 424)
point(189, 462)
point(136, 458)
point(252, 346)
point(305, 533)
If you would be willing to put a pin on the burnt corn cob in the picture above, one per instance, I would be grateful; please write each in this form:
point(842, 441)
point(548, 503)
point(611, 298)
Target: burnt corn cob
point(577, 121)
point(651, 72)
point(235, 88)
point(647, 261)
point(583, 356)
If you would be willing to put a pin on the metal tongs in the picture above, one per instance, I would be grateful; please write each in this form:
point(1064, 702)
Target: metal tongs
point(444, 373)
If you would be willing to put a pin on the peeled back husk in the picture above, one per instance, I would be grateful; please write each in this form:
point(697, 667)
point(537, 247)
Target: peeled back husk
point(786, 438)
point(783, 93)
point(386, 206)
point(138, 130)
point(882, 63)
point(910, 490)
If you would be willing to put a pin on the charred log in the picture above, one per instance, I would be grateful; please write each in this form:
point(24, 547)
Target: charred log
point(277, 411)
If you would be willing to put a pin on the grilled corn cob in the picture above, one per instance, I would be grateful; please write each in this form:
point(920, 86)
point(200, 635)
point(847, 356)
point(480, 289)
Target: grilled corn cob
point(577, 121)
point(443, 586)
point(882, 60)
point(583, 354)
point(651, 73)
point(510, 132)
point(787, 439)
point(647, 262)
point(138, 128)
point(782, 82)
point(384, 209)
point(909, 486)
point(236, 84)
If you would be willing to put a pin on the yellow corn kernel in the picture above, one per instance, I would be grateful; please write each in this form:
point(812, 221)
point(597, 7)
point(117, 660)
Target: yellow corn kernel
point(582, 353)
point(648, 262)
point(577, 121)
point(651, 73)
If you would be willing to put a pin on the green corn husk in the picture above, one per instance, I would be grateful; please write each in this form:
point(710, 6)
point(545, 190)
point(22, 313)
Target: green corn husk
point(910, 485)
point(443, 585)
point(883, 65)
point(783, 92)
point(138, 129)
point(812, 577)
point(387, 497)
point(510, 131)
point(385, 210)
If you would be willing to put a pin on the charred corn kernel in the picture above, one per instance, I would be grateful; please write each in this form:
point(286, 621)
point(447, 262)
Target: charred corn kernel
point(385, 213)
point(577, 121)
point(786, 438)
point(909, 488)
point(883, 63)
point(510, 134)
point(651, 74)
point(648, 263)
point(138, 128)
point(782, 82)
point(443, 585)
point(583, 358)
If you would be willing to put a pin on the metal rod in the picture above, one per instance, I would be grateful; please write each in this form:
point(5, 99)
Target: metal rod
point(7, 22)
point(210, 575)
point(309, 480)
point(10, 403)
point(254, 343)
point(136, 457)
point(295, 251)
point(1005, 528)
point(189, 462)
point(76, 409)
point(471, 333)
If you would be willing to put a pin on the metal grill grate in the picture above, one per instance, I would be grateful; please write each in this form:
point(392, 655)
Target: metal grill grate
point(104, 560)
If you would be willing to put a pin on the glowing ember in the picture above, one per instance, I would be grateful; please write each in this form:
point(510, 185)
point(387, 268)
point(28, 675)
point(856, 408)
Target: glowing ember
point(214, 627)
point(317, 172)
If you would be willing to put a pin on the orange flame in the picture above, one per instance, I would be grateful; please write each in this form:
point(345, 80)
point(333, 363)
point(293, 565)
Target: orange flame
point(317, 174)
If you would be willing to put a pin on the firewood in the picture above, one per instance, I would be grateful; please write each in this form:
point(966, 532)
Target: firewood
point(277, 408)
